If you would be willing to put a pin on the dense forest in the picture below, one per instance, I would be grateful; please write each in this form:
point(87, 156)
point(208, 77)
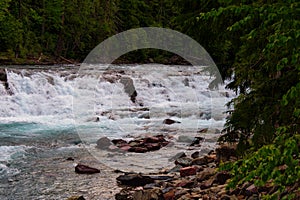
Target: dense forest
point(255, 43)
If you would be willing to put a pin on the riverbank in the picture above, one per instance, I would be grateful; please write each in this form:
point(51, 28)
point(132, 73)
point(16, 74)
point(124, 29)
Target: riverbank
point(53, 60)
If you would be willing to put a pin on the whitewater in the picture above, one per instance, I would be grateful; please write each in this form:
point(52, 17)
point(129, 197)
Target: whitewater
point(54, 112)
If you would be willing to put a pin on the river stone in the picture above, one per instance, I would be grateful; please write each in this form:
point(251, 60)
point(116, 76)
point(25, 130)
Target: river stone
point(83, 169)
point(103, 143)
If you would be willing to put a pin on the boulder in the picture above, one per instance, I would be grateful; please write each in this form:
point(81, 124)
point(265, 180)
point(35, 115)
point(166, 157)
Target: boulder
point(129, 88)
point(83, 169)
point(3, 79)
point(103, 143)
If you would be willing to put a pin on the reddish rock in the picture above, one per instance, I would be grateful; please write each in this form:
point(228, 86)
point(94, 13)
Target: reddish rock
point(188, 171)
point(138, 149)
point(152, 146)
point(169, 195)
point(151, 140)
point(83, 169)
point(119, 142)
point(125, 148)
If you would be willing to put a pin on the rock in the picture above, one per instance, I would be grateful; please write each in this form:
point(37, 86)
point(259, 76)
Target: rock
point(151, 140)
point(207, 184)
point(178, 155)
point(204, 130)
point(195, 155)
point(119, 142)
point(175, 169)
point(129, 88)
point(152, 146)
point(3, 79)
point(134, 180)
point(70, 159)
point(144, 115)
point(225, 197)
point(154, 194)
point(83, 169)
point(185, 139)
point(185, 161)
point(170, 121)
point(138, 149)
point(197, 141)
point(205, 174)
point(103, 143)
point(185, 184)
point(76, 198)
point(188, 171)
point(199, 161)
point(186, 82)
point(222, 177)
point(170, 195)
point(224, 152)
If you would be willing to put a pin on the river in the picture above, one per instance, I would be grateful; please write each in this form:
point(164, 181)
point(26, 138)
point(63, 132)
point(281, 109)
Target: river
point(51, 113)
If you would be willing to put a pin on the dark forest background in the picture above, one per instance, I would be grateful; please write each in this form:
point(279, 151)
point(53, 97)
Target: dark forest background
point(255, 44)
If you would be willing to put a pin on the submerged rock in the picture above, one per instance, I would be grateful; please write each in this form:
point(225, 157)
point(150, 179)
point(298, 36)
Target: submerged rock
point(84, 169)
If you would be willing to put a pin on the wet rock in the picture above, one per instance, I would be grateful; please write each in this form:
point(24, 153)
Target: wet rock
point(188, 171)
point(3, 79)
point(134, 180)
point(119, 142)
point(129, 88)
point(204, 130)
point(103, 143)
point(76, 198)
point(185, 161)
point(144, 115)
point(195, 155)
point(84, 169)
point(170, 121)
point(138, 149)
point(70, 159)
point(197, 141)
point(222, 177)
